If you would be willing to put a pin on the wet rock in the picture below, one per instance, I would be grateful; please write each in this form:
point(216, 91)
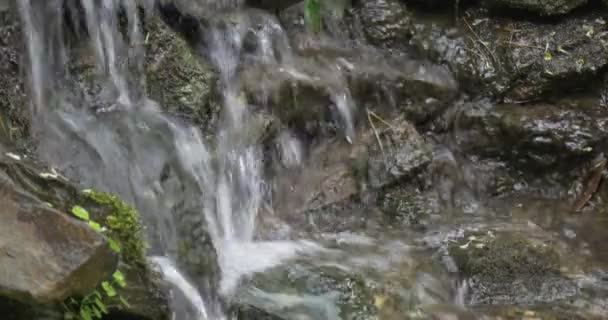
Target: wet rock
point(518, 60)
point(336, 171)
point(179, 80)
point(542, 7)
point(543, 59)
point(409, 207)
point(353, 278)
point(444, 46)
point(385, 23)
point(398, 154)
point(302, 290)
point(14, 124)
point(48, 256)
point(542, 136)
point(417, 88)
point(511, 269)
point(146, 294)
point(144, 291)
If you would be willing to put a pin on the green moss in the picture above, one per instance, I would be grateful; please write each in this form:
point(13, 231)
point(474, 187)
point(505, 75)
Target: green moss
point(124, 226)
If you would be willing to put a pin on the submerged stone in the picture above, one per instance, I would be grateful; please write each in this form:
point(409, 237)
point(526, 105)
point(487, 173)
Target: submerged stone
point(506, 269)
point(542, 7)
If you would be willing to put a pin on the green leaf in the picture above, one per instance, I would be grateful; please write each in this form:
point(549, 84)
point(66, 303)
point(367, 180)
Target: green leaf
point(96, 312)
point(548, 56)
point(114, 245)
point(119, 278)
point(85, 313)
point(96, 226)
point(124, 302)
point(101, 306)
point(312, 15)
point(108, 288)
point(80, 212)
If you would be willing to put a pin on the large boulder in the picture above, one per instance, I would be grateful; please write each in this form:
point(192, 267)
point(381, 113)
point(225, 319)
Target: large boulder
point(48, 255)
point(541, 7)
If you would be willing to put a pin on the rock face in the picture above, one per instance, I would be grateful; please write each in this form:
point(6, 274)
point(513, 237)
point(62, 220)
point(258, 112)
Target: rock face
point(542, 7)
point(48, 256)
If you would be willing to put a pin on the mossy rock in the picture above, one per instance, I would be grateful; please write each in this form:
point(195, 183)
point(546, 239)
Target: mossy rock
point(179, 79)
point(504, 258)
point(510, 269)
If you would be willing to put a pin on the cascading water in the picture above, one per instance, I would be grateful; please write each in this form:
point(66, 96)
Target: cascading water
point(118, 140)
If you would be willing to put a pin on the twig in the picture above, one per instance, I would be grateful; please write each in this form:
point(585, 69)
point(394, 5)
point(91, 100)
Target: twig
point(380, 119)
point(481, 41)
point(522, 45)
point(371, 123)
point(592, 185)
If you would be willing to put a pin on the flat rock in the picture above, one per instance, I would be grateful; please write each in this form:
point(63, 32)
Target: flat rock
point(47, 255)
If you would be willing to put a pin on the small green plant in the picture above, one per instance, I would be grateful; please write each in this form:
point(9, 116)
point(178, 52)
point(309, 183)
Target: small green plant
point(93, 306)
point(124, 228)
point(312, 15)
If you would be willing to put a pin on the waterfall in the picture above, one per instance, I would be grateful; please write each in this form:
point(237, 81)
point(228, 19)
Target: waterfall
point(121, 142)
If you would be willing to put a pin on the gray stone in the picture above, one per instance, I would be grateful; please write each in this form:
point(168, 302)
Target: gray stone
point(47, 255)
point(542, 7)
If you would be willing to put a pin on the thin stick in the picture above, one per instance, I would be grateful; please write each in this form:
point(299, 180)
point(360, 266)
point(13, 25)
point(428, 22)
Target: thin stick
point(481, 41)
point(380, 118)
point(522, 45)
point(371, 123)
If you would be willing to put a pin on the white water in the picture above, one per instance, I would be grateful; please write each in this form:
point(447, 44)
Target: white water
point(172, 275)
point(125, 145)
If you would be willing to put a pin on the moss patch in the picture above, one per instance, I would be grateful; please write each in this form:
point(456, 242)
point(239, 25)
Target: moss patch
point(123, 225)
